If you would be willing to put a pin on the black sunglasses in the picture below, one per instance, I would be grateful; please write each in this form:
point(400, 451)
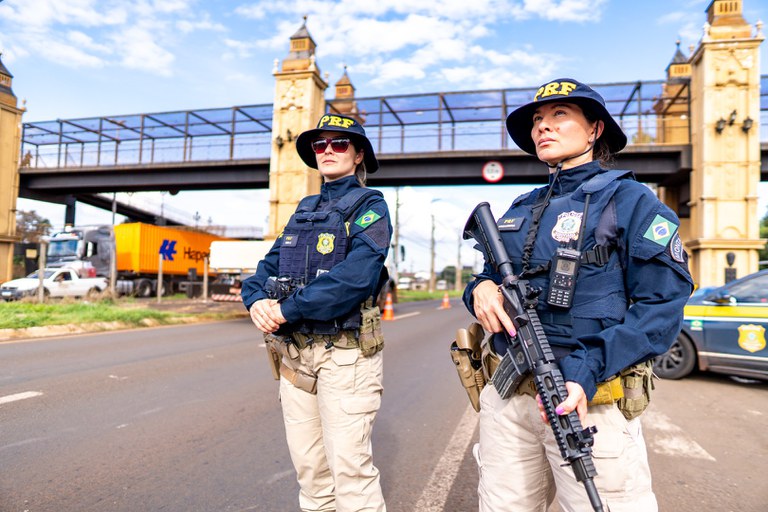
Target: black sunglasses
point(338, 145)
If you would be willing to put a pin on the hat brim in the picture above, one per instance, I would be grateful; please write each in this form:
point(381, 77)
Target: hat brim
point(308, 156)
point(520, 124)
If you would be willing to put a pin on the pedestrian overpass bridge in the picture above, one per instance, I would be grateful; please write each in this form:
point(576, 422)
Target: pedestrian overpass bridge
point(701, 135)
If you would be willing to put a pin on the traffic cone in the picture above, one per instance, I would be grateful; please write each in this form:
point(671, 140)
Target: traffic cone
point(446, 303)
point(389, 312)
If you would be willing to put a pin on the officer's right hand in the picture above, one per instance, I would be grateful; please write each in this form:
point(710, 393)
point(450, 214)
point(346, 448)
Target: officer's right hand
point(489, 308)
point(266, 315)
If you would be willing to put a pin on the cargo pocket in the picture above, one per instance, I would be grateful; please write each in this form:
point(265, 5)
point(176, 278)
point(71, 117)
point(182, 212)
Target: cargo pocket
point(344, 356)
point(361, 404)
point(610, 443)
point(364, 408)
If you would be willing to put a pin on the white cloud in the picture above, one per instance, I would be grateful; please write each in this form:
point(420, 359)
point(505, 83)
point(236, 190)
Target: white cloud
point(563, 10)
point(395, 41)
point(135, 34)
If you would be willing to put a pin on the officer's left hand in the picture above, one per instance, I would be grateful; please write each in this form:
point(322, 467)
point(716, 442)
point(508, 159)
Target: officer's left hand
point(576, 400)
point(267, 316)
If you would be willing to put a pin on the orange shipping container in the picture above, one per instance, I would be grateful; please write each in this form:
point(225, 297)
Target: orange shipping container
point(139, 247)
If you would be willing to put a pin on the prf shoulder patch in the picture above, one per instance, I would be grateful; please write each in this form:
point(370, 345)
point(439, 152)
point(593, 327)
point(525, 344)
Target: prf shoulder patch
point(367, 219)
point(660, 231)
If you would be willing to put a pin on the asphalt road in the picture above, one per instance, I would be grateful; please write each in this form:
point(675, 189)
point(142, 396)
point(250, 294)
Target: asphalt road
point(186, 418)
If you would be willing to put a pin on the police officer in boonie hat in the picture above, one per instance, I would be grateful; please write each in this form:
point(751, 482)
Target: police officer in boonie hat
point(342, 124)
point(313, 297)
point(607, 312)
point(567, 90)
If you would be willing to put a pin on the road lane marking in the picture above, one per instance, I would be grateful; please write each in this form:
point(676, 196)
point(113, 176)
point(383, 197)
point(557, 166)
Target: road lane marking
point(669, 439)
point(19, 396)
point(406, 315)
point(438, 487)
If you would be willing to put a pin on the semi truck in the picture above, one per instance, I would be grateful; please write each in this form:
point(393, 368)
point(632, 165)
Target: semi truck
point(233, 261)
point(137, 249)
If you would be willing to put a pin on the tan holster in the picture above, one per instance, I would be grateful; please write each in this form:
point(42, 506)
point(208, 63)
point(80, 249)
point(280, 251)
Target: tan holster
point(466, 353)
point(284, 361)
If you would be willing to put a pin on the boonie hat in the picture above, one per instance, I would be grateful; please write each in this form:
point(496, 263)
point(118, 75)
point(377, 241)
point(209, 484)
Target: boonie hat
point(564, 90)
point(342, 124)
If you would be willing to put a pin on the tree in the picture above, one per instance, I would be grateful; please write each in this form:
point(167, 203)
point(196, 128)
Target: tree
point(31, 227)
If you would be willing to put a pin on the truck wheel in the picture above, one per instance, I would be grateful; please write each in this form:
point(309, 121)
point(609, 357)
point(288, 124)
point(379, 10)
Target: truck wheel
point(143, 288)
point(678, 361)
point(93, 294)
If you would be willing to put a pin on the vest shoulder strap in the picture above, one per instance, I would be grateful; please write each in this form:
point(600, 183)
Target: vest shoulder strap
point(308, 204)
point(353, 199)
point(602, 180)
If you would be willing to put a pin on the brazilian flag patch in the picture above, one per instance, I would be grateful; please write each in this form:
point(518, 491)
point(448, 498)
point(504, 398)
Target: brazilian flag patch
point(367, 219)
point(660, 231)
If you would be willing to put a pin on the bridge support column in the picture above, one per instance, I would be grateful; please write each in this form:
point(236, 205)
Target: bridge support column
point(70, 210)
point(10, 142)
point(725, 133)
point(299, 103)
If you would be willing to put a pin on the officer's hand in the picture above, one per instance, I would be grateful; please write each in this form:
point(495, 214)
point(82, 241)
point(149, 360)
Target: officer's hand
point(576, 399)
point(489, 308)
point(264, 316)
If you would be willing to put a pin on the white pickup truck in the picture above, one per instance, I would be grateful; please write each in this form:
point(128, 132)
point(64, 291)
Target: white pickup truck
point(57, 282)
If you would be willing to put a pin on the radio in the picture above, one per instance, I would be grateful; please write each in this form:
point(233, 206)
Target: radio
point(562, 277)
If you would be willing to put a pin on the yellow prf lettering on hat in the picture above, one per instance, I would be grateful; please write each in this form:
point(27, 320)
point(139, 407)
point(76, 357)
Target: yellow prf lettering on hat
point(561, 88)
point(341, 122)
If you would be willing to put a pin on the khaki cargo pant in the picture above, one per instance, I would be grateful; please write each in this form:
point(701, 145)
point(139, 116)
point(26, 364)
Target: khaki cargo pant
point(521, 468)
point(329, 434)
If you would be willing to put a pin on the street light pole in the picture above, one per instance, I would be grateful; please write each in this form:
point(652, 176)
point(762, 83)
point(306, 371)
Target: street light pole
point(432, 257)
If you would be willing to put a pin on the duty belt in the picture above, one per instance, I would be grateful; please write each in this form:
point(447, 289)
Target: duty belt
point(608, 392)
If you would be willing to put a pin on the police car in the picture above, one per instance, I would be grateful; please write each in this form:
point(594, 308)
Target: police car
point(723, 332)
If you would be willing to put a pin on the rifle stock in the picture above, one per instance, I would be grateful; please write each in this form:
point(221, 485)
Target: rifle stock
point(529, 352)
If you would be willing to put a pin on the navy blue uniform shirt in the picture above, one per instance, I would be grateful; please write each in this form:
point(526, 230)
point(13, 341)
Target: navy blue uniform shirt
point(349, 283)
point(639, 314)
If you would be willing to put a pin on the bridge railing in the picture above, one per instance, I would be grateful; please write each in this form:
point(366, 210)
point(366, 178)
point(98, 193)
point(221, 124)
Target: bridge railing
point(650, 112)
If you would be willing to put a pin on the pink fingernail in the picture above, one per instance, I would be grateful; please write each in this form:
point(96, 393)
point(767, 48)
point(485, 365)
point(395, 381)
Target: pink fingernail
point(560, 410)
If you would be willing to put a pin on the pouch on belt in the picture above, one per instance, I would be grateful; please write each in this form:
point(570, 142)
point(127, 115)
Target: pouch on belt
point(466, 354)
point(371, 338)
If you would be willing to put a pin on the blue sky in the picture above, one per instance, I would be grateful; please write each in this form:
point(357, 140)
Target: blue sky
point(83, 58)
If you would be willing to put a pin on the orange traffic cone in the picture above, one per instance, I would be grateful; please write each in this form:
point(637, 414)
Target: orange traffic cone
point(446, 303)
point(389, 312)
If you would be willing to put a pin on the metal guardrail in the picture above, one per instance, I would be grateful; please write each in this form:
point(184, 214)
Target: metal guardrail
point(447, 121)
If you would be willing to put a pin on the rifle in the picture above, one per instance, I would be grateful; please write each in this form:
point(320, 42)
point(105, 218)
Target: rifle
point(529, 351)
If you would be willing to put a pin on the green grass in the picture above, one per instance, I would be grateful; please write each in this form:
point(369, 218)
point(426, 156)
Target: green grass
point(17, 315)
point(414, 295)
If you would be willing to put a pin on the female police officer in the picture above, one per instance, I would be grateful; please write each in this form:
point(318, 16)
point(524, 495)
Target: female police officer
point(312, 296)
point(626, 307)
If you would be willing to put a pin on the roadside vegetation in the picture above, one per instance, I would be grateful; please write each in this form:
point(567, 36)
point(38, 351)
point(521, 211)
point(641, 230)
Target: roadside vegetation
point(415, 295)
point(125, 312)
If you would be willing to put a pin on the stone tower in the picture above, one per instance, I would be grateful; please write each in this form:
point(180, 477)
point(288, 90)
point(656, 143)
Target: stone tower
point(673, 127)
point(299, 104)
point(725, 113)
point(10, 135)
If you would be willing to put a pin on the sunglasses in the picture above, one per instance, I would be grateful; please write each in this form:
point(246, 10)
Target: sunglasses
point(338, 145)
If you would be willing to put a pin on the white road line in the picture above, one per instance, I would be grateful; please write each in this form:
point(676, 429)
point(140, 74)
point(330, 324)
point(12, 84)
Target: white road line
point(406, 315)
point(668, 439)
point(438, 487)
point(19, 396)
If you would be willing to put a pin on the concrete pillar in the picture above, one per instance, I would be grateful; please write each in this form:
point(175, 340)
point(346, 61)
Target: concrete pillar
point(10, 142)
point(299, 104)
point(725, 131)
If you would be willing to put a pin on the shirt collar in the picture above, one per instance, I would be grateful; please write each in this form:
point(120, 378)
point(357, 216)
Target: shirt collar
point(335, 189)
point(570, 179)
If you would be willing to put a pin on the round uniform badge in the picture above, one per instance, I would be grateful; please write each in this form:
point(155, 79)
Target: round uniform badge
point(676, 249)
point(325, 243)
point(567, 226)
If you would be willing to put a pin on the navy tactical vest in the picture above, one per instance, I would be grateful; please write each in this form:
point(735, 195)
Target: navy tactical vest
point(599, 297)
point(313, 242)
